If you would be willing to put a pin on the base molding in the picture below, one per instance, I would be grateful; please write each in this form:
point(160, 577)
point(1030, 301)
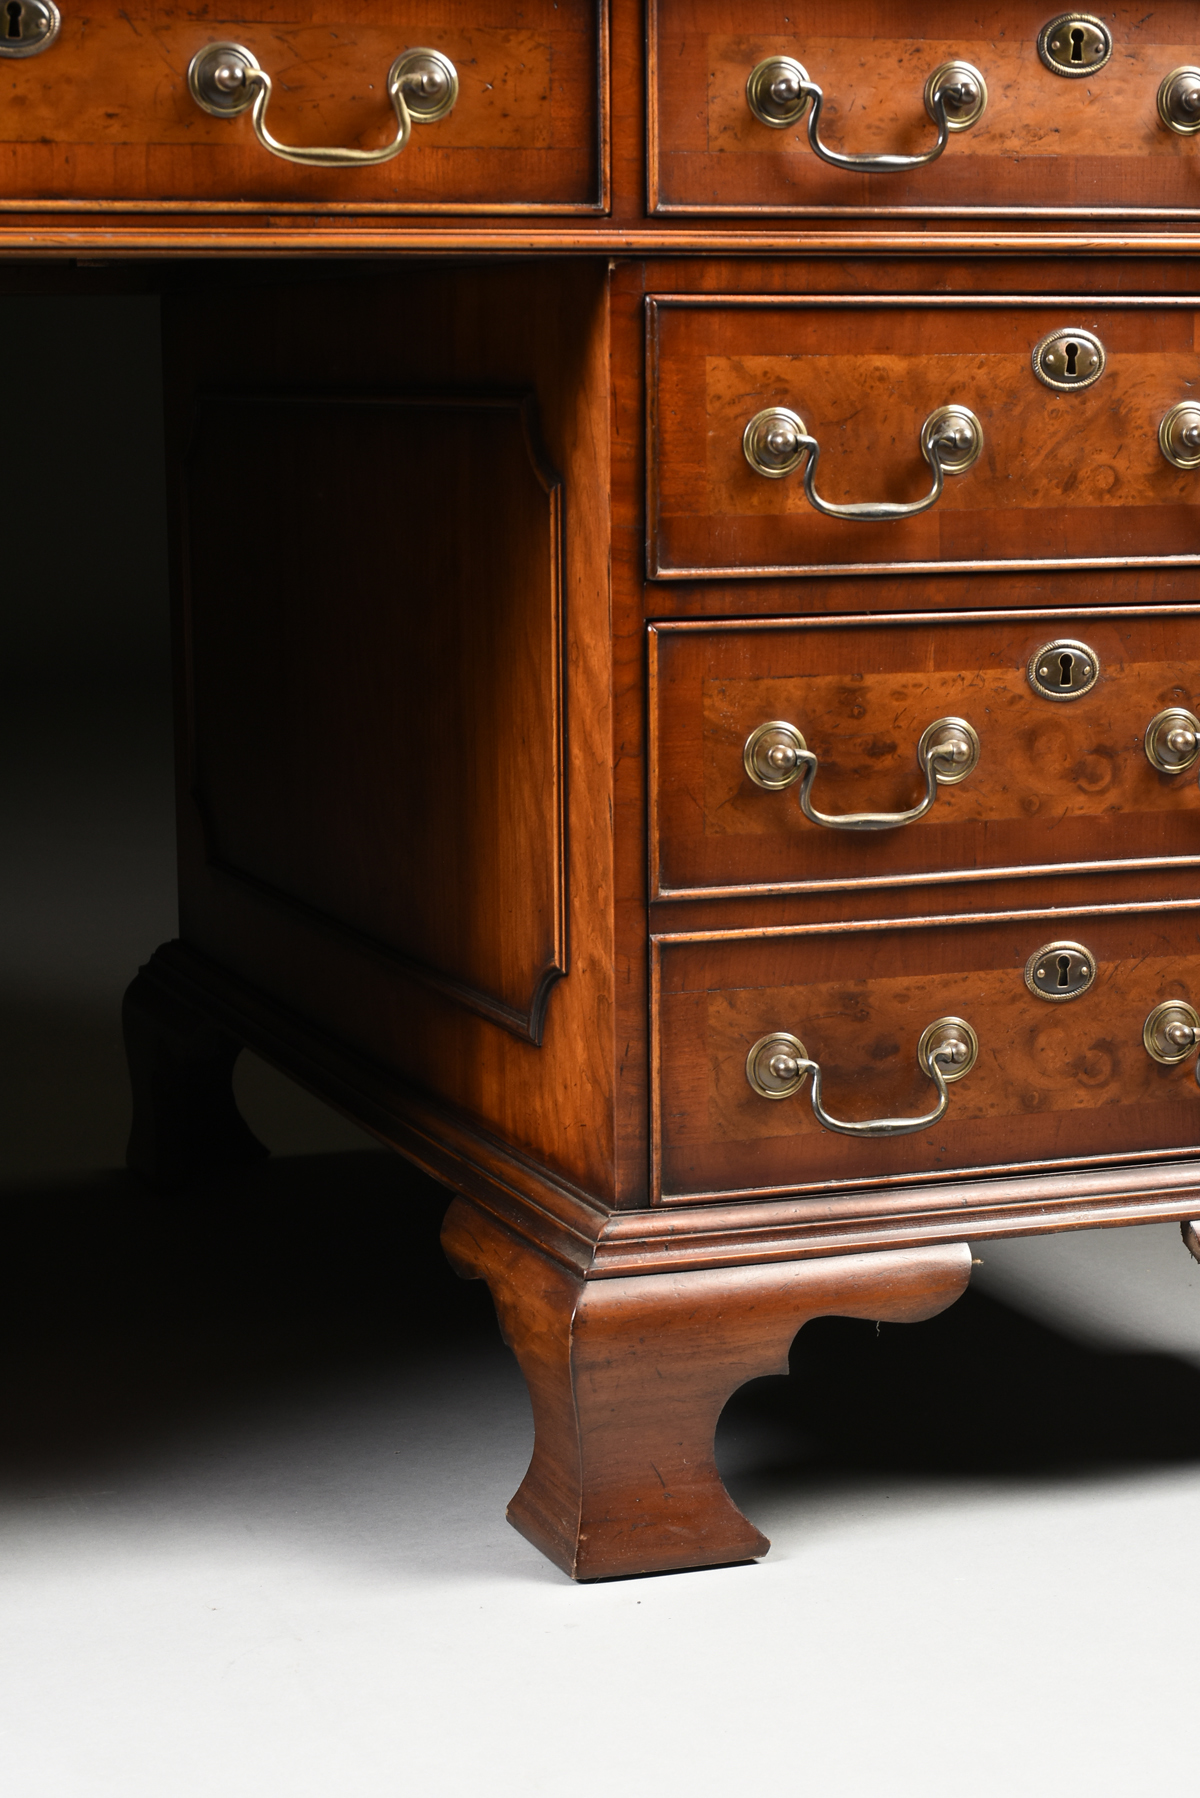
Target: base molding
point(584, 1234)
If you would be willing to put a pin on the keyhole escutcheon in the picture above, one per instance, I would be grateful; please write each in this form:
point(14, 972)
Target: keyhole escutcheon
point(14, 9)
point(1060, 971)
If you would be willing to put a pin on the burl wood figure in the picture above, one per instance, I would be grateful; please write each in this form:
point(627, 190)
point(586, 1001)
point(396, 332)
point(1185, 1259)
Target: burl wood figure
point(687, 645)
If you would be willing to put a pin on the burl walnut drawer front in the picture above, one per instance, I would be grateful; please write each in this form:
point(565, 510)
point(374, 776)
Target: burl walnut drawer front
point(1066, 764)
point(1066, 122)
point(850, 434)
point(1055, 1078)
point(157, 103)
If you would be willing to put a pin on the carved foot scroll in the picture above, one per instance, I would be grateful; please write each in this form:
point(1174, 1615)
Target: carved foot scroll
point(628, 1377)
point(185, 1117)
point(1191, 1236)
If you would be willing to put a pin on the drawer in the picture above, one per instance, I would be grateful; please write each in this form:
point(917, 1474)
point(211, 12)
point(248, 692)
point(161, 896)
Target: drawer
point(1044, 142)
point(1063, 475)
point(1062, 780)
point(1055, 1082)
point(105, 113)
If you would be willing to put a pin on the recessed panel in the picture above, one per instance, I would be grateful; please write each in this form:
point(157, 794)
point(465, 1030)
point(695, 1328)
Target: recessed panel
point(374, 640)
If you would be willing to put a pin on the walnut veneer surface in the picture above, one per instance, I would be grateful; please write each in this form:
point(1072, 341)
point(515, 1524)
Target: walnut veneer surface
point(477, 600)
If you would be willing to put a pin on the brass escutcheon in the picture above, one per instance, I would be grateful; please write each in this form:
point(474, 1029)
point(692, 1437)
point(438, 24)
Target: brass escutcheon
point(1069, 359)
point(1060, 971)
point(1064, 669)
point(27, 27)
point(1075, 44)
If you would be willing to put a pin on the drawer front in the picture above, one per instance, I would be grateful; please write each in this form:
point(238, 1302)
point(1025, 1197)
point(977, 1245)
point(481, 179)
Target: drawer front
point(1054, 1083)
point(1061, 477)
point(1063, 778)
point(1044, 142)
point(105, 112)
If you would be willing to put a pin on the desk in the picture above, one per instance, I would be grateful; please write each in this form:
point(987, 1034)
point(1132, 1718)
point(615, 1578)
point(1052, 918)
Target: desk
point(685, 676)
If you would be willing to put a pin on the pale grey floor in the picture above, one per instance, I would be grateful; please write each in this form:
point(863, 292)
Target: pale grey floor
point(255, 1446)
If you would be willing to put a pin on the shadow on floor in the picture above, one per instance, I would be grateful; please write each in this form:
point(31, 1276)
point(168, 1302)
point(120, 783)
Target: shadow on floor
point(123, 1314)
point(981, 1389)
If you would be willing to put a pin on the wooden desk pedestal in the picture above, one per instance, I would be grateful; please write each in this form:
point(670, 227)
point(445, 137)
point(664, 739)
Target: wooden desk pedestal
point(478, 605)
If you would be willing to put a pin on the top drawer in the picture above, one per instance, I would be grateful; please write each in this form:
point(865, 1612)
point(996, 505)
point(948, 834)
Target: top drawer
point(104, 112)
point(1044, 142)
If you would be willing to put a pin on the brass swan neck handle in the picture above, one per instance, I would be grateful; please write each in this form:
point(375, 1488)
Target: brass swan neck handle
point(226, 80)
point(778, 1065)
point(776, 441)
point(780, 93)
point(776, 755)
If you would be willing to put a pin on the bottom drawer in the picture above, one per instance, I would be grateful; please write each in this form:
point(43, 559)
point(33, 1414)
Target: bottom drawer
point(1056, 1079)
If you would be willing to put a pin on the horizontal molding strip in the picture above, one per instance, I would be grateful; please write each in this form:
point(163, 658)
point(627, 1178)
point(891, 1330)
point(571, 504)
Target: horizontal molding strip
point(284, 239)
point(945, 919)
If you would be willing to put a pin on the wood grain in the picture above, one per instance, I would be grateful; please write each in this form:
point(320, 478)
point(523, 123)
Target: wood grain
point(1053, 1081)
point(585, 1236)
point(1058, 783)
point(1044, 143)
point(1062, 475)
point(105, 113)
point(406, 669)
point(369, 588)
point(628, 1377)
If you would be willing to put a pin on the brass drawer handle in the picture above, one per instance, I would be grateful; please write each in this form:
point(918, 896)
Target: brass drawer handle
point(779, 1064)
point(1172, 740)
point(1171, 1032)
point(776, 441)
point(1179, 435)
point(779, 94)
point(225, 80)
point(775, 755)
point(1179, 101)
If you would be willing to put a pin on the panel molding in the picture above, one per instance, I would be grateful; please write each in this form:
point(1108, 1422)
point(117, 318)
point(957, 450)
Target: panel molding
point(527, 1020)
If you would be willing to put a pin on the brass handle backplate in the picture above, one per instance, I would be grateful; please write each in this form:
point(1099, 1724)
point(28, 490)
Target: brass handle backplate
point(225, 80)
point(1171, 1032)
point(778, 1065)
point(776, 442)
point(1179, 435)
point(1172, 740)
point(779, 93)
point(1179, 101)
point(776, 755)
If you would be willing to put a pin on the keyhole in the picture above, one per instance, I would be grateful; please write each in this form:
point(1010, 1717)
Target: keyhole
point(1072, 353)
point(14, 9)
point(1066, 663)
point(1064, 970)
point(1077, 45)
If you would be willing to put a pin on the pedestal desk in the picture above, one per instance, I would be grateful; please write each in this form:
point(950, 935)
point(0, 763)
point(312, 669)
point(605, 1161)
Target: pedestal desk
point(687, 595)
